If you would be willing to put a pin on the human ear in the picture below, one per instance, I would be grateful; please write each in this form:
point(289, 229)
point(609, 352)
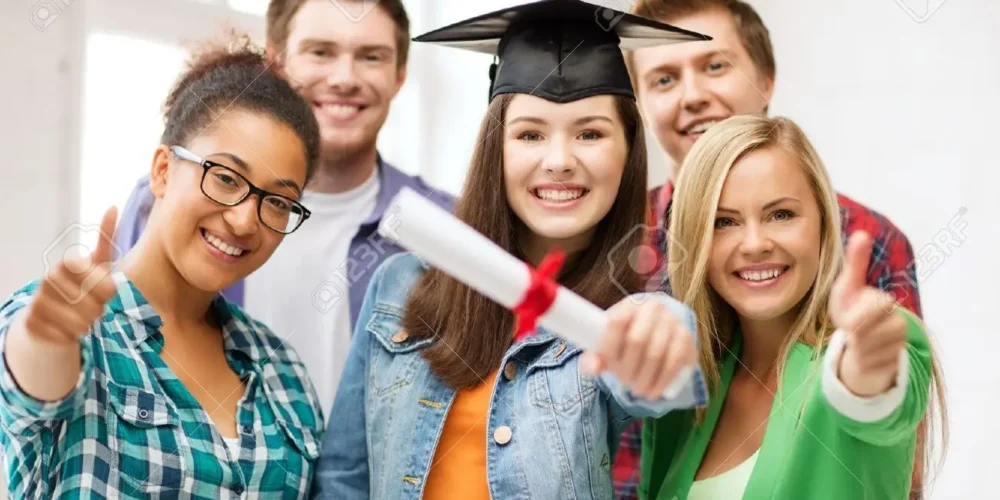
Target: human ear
point(159, 171)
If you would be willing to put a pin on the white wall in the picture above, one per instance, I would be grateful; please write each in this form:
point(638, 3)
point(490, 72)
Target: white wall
point(900, 110)
point(903, 108)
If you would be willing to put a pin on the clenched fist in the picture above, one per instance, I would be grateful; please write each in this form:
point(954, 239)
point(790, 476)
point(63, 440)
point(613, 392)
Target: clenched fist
point(646, 347)
point(74, 292)
point(876, 332)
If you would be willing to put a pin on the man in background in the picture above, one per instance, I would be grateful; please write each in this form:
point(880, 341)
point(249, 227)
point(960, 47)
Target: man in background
point(350, 69)
point(683, 90)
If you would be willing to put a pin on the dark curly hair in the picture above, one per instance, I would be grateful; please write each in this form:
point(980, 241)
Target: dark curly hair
point(236, 75)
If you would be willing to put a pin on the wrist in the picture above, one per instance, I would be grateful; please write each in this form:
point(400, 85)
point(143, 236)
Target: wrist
point(860, 383)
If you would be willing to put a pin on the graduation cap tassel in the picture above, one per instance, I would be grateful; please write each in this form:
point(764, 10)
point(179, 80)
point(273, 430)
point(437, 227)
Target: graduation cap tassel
point(493, 76)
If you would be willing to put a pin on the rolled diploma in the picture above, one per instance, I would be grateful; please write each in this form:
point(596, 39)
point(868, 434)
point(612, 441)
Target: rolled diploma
point(445, 242)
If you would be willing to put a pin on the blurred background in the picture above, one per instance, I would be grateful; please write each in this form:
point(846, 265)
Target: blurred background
point(899, 96)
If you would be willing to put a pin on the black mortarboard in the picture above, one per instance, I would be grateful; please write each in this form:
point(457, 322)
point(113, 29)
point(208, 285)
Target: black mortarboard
point(560, 50)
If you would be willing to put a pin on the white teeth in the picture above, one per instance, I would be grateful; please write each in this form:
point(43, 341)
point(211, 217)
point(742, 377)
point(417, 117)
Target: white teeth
point(223, 246)
point(558, 194)
point(761, 275)
point(341, 110)
point(701, 127)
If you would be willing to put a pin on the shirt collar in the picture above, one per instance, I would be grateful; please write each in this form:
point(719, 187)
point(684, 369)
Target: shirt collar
point(237, 329)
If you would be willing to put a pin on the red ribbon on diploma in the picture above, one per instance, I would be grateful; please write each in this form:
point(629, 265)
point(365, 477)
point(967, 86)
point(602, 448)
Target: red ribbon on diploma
point(540, 295)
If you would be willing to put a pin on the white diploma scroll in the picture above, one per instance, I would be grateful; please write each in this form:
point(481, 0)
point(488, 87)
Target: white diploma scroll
point(445, 242)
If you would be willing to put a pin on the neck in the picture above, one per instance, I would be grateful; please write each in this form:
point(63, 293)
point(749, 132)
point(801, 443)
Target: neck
point(535, 247)
point(170, 295)
point(339, 174)
point(762, 341)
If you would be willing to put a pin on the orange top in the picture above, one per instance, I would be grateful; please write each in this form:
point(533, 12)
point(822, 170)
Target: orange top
point(459, 466)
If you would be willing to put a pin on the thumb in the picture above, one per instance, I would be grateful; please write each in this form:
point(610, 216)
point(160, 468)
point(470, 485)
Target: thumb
point(105, 251)
point(855, 273)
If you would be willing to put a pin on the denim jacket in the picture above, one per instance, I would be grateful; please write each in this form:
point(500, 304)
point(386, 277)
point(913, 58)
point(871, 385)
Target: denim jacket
point(564, 425)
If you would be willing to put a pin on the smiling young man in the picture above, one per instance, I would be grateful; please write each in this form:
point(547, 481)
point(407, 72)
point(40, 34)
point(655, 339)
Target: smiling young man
point(684, 89)
point(349, 69)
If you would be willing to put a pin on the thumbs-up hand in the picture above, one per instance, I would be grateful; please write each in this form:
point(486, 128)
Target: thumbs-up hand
point(876, 334)
point(74, 292)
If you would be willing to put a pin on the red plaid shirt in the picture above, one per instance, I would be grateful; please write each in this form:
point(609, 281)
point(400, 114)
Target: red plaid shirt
point(892, 268)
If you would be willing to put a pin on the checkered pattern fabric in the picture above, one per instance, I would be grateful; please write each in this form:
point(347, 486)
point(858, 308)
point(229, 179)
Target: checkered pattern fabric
point(131, 429)
point(892, 268)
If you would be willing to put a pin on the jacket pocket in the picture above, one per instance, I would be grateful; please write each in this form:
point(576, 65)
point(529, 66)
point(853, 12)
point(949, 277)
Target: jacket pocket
point(555, 381)
point(145, 438)
point(396, 355)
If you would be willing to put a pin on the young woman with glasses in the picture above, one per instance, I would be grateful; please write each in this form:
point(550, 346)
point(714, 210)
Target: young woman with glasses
point(140, 379)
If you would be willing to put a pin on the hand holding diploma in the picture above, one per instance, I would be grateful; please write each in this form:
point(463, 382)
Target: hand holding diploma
point(876, 334)
point(644, 346)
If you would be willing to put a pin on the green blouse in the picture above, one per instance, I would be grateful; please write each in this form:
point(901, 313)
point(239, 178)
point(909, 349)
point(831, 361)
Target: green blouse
point(818, 444)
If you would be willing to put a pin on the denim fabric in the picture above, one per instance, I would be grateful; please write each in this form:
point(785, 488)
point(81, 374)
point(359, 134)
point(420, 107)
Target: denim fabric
point(390, 410)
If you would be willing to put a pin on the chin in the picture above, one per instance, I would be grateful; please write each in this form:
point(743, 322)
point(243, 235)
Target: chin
point(764, 310)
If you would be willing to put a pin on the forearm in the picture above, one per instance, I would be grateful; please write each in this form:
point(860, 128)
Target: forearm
point(45, 371)
point(885, 418)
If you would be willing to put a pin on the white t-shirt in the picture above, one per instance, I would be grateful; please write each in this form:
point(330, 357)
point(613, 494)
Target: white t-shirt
point(301, 292)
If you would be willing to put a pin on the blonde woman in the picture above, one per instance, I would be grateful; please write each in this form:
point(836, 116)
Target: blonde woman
point(817, 381)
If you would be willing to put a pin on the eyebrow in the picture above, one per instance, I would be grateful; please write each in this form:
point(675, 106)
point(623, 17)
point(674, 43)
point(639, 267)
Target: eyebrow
point(768, 205)
point(672, 66)
point(246, 169)
point(307, 42)
point(578, 121)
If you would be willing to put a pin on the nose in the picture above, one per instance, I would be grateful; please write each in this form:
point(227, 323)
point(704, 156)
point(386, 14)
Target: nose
point(343, 76)
point(242, 218)
point(559, 160)
point(694, 97)
point(756, 241)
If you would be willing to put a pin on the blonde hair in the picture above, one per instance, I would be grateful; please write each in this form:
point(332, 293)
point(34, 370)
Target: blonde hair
point(692, 222)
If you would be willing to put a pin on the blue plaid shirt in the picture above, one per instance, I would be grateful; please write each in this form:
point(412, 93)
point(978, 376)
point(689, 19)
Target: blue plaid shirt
point(130, 428)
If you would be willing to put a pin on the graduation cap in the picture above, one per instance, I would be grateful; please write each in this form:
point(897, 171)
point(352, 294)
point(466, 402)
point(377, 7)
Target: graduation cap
point(560, 50)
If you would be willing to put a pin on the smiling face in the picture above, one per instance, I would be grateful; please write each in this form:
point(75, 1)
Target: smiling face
point(347, 69)
point(766, 245)
point(212, 245)
point(685, 88)
point(563, 165)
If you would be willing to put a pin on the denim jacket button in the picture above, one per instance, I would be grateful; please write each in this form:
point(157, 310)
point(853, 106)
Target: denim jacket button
point(400, 337)
point(502, 435)
point(509, 370)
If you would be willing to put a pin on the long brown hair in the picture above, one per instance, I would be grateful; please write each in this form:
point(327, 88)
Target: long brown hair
point(473, 332)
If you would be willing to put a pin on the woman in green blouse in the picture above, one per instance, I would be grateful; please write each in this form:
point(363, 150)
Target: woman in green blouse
point(139, 379)
point(818, 383)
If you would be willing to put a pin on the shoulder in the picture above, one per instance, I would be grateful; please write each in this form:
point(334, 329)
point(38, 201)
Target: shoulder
point(17, 301)
point(395, 277)
point(856, 217)
point(261, 340)
point(419, 185)
point(283, 370)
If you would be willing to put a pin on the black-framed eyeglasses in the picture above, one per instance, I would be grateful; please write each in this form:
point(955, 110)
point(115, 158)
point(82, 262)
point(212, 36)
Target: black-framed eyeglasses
point(228, 187)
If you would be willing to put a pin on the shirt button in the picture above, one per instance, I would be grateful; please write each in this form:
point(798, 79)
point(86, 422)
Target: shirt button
point(247, 429)
point(502, 435)
point(509, 370)
point(143, 413)
point(400, 337)
point(238, 489)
